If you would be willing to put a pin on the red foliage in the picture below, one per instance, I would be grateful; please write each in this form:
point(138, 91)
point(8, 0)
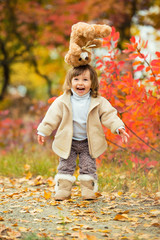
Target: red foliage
point(51, 100)
point(19, 132)
point(137, 100)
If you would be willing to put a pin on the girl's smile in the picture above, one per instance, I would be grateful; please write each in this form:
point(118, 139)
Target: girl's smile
point(82, 84)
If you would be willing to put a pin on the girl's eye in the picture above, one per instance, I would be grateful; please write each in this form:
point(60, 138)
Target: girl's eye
point(85, 79)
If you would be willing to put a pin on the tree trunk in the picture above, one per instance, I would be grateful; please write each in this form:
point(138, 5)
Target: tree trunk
point(6, 80)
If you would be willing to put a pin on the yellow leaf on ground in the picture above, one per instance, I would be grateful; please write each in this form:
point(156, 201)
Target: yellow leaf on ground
point(98, 194)
point(133, 195)
point(158, 194)
point(67, 220)
point(52, 216)
point(29, 175)
point(23, 229)
point(50, 182)
point(59, 208)
point(75, 228)
point(47, 195)
point(38, 181)
point(9, 233)
point(123, 212)
point(120, 193)
point(81, 235)
point(15, 225)
point(89, 237)
point(155, 212)
point(60, 229)
point(155, 224)
point(103, 231)
point(36, 210)
point(120, 217)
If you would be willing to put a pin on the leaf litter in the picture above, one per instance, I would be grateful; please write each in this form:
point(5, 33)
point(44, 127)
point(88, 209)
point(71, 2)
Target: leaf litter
point(28, 206)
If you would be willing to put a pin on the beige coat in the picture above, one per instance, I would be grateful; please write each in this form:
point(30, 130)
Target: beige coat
point(59, 116)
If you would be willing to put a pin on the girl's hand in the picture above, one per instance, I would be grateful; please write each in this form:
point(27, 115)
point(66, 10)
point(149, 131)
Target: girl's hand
point(41, 139)
point(124, 135)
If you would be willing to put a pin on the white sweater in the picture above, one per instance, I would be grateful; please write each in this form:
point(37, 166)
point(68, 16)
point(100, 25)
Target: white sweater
point(80, 107)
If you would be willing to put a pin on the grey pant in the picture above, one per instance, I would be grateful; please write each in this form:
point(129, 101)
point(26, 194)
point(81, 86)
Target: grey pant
point(87, 164)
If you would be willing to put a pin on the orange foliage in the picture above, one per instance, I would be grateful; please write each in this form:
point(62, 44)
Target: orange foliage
point(136, 99)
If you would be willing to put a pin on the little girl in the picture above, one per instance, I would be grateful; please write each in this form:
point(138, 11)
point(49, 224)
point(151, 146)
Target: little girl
point(78, 116)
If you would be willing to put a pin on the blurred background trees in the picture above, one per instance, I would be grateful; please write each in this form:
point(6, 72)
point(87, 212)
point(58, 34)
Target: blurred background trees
point(34, 36)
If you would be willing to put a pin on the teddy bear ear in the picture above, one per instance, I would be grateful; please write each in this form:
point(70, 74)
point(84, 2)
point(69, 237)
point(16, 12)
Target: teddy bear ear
point(73, 27)
point(67, 58)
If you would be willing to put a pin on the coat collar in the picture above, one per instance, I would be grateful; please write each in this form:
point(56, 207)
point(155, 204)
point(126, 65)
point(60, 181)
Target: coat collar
point(65, 98)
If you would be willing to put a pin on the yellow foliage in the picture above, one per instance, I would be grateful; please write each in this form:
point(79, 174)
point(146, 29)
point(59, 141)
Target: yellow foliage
point(50, 63)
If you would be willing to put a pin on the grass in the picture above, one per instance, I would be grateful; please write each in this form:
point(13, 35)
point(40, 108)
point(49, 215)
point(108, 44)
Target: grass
point(33, 236)
point(112, 175)
point(41, 163)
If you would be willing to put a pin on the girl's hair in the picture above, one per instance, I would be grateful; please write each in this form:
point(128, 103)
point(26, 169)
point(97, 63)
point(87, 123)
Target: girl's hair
point(76, 71)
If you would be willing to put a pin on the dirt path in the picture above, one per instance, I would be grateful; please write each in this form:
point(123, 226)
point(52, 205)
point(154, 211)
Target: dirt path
point(29, 206)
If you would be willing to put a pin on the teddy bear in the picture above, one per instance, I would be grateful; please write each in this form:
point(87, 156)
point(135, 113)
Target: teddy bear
point(83, 38)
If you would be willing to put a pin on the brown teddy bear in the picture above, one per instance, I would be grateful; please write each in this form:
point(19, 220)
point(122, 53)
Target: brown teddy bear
point(83, 39)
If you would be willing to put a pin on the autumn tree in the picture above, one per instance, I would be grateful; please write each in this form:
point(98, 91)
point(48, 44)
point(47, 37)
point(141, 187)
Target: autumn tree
point(24, 25)
point(121, 14)
point(135, 98)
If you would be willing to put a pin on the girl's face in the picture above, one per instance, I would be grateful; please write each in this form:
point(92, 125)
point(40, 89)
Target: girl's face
point(81, 84)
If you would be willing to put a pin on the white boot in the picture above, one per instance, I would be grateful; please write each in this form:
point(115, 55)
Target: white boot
point(63, 186)
point(88, 186)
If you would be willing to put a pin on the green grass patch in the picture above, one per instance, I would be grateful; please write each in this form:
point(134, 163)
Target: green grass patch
point(33, 236)
point(121, 177)
point(112, 175)
point(41, 163)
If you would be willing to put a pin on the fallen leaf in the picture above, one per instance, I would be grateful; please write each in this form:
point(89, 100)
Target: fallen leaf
point(59, 208)
point(158, 195)
point(47, 195)
point(89, 237)
point(120, 217)
point(29, 175)
point(15, 225)
point(36, 210)
point(43, 234)
point(61, 229)
point(97, 194)
point(38, 181)
point(123, 212)
point(52, 216)
point(1, 219)
point(103, 231)
point(133, 195)
point(112, 198)
point(22, 229)
point(8, 233)
point(50, 182)
point(120, 193)
point(155, 212)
